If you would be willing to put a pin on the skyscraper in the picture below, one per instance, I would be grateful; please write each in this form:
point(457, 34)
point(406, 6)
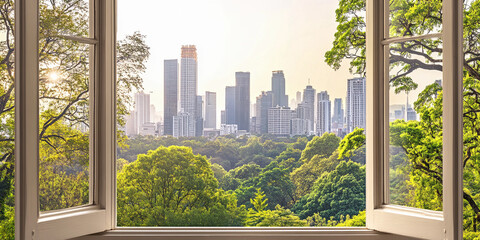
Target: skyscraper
point(183, 124)
point(309, 104)
point(337, 119)
point(230, 105)
point(323, 113)
point(264, 103)
point(210, 110)
point(188, 80)
point(356, 103)
point(199, 117)
point(278, 89)
point(142, 110)
point(242, 100)
point(170, 94)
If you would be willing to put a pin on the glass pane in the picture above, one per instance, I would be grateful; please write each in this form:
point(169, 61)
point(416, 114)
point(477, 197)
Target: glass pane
point(415, 17)
point(213, 133)
point(7, 122)
point(64, 18)
point(471, 122)
point(416, 124)
point(65, 115)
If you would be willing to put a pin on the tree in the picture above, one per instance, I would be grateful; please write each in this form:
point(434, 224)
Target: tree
point(280, 217)
point(171, 187)
point(323, 146)
point(337, 193)
point(410, 18)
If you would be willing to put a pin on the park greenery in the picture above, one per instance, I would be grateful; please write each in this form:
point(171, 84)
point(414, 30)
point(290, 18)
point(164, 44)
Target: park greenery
point(240, 181)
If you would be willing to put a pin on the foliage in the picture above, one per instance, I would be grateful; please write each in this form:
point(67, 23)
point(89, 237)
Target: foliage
point(279, 217)
point(337, 193)
point(170, 187)
point(350, 143)
point(323, 146)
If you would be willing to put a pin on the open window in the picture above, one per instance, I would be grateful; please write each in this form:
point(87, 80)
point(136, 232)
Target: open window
point(401, 55)
point(64, 82)
point(91, 62)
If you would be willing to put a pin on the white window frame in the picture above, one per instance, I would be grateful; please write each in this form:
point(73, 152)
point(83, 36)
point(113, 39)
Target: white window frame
point(403, 220)
point(83, 220)
point(383, 221)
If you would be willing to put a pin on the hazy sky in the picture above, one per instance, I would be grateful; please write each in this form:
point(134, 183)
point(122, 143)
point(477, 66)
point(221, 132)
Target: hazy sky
point(258, 36)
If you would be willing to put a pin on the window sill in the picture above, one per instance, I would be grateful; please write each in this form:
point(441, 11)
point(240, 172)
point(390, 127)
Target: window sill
point(244, 234)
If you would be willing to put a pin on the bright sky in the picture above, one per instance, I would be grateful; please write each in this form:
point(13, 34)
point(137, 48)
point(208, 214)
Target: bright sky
point(258, 36)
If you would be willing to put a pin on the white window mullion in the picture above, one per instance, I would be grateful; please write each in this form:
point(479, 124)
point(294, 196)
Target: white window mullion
point(26, 118)
point(453, 118)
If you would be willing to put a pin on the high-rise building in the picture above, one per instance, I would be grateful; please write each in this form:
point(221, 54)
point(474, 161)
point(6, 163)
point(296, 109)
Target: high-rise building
point(223, 117)
point(298, 97)
point(210, 110)
point(309, 104)
point(337, 119)
point(323, 113)
point(142, 110)
point(356, 104)
point(188, 80)
point(279, 119)
point(230, 105)
point(278, 89)
point(170, 94)
point(299, 127)
point(264, 103)
point(199, 117)
point(242, 100)
point(184, 125)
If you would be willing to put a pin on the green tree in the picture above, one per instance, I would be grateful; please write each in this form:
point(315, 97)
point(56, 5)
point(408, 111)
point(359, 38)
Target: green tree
point(335, 194)
point(170, 187)
point(323, 146)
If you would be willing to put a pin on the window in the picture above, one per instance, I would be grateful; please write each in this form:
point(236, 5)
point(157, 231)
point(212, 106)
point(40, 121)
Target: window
point(99, 212)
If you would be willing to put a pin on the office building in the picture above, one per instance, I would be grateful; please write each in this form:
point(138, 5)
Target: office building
point(210, 110)
point(337, 119)
point(323, 113)
point(230, 105)
point(278, 89)
point(199, 117)
point(300, 127)
point(309, 104)
point(170, 94)
point(242, 100)
point(263, 103)
point(279, 121)
point(356, 104)
point(189, 80)
point(184, 125)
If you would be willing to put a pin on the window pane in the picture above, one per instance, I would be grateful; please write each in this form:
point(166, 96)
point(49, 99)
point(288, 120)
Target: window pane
point(64, 17)
point(222, 126)
point(471, 121)
point(416, 124)
point(65, 116)
point(415, 17)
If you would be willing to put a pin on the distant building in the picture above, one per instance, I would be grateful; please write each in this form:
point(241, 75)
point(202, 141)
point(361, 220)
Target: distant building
point(242, 100)
point(303, 111)
point(147, 129)
point(230, 105)
point(130, 127)
point(170, 94)
point(253, 125)
point(142, 113)
point(211, 133)
point(356, 103)
point(397, 112)
point(184, 125)
point(264, 103)
point(323, 113)
point(223, 117)
point(309, 104)
point(411, 114)
point(210, 110)
point(279, 121)
point(300, 127)
point(199, 117)
point(278, 89)
point(227, 129)
point(337, 119)
point(189, 81)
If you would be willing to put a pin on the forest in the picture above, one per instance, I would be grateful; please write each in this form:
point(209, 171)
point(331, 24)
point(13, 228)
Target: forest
point(246, 181)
